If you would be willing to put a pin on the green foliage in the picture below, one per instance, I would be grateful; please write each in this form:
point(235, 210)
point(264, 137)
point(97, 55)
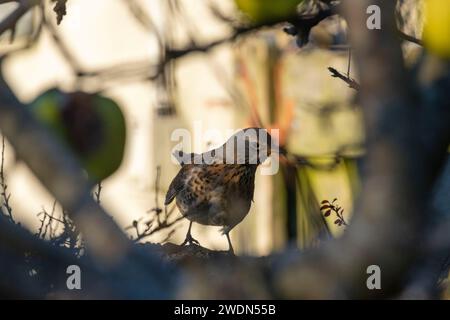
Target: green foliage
point(261, 11)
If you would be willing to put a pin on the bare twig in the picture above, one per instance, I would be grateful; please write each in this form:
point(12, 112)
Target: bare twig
point(161, 223)
point(349, 62)
point(352, 83)
point(60, 44)
point(302, 21)
point(9, 23)
point(146, 21)
point(47, 222)
point(4, 187)
point(305, 21)
point(157, 209)
point(29, 43)
point(26, 252)
point(98, 191)
point(409, 38)
point(215, 10)
point(141, 70)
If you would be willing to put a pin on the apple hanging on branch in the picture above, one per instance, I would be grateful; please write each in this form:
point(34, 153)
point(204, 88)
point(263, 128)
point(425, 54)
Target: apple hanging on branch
point(91, 125)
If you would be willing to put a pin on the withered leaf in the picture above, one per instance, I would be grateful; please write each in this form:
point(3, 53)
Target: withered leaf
point(60, 10)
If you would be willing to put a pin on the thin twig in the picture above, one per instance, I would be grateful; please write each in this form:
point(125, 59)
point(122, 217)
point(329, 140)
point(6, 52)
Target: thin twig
point(141, 70)
point(352, 83)
point(3, 185)
point(97, 193)
point(149, 232)
point(158, 176)
point(162, 223)
point(9, 23)
point(29, 43)
point(409, 38)
point(60, 44)
point(304, 21)
point(308, 20)
point(145, 20)
point(47, 222)
point(349, 62)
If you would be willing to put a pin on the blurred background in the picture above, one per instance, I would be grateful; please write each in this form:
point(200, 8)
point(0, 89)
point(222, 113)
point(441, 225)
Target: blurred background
point(262, 79)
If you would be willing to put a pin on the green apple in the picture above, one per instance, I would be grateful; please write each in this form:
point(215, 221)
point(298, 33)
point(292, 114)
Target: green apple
point(91, 125)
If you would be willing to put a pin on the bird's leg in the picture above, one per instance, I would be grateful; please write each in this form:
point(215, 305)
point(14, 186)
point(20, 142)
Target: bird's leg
point(189, 239)
point(230, 246)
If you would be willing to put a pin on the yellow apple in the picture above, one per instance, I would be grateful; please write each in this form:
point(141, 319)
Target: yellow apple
point(436, 33)
point(260, 11)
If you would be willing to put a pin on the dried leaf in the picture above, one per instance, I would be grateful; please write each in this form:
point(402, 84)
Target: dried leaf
point(60, 10)
point(327, 213)
point(337, 221)
point(325, 207)
point(324, 201)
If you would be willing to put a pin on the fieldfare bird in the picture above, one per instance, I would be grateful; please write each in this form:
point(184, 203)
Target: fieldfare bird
point(216, 187)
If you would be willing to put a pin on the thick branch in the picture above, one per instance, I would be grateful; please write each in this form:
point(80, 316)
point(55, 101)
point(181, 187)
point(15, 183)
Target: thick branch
point(303, 21)
point(11, 20)
point(396, 188)
point(61, 175)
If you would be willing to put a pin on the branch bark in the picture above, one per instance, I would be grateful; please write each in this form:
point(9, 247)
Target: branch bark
point(400, 169)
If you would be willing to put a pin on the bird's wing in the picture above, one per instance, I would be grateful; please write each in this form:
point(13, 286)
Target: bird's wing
point(176, 185)
point(195, 183)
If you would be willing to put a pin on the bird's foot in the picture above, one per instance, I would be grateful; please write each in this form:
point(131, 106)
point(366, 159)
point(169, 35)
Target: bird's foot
point(230, 246)
point(224, 230)
point(190, 240)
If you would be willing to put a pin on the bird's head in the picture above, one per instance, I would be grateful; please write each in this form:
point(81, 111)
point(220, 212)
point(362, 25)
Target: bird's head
point(250, 146)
